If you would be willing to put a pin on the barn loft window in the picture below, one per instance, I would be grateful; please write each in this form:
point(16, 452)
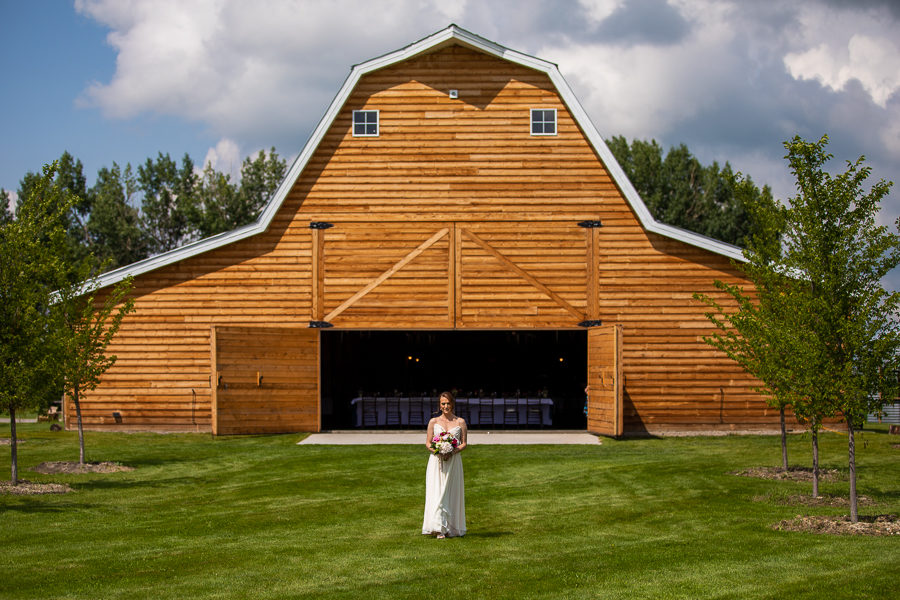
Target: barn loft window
point(543, 121)
point(365, 123)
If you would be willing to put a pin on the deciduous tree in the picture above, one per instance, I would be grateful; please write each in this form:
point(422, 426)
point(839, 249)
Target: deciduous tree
point(822, 331)
point(169, 198)
point(680, 191)
point(89, 324)
point(114, 225)
point(33, 263)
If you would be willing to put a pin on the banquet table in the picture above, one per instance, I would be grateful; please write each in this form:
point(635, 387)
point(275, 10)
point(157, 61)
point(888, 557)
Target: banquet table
point(476, 411)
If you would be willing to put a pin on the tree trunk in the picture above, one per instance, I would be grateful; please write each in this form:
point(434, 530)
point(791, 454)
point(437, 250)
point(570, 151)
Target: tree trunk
point(80, 428)
point(815, 445)
point(784, 458)
point(854, 509)
point(14, 449)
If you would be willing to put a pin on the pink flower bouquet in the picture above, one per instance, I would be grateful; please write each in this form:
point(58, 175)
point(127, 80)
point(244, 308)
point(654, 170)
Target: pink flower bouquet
point(443, 443)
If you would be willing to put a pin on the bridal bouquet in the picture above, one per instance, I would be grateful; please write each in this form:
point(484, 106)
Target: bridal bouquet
point(443, 443)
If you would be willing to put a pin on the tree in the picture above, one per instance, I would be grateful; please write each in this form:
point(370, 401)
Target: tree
point(114, 225)
point(217, 207)
point(754, 335)
point(834, 245)
point(679, 191)
point(33, 263)
point(260, 179)
point(68, 176)
point(6, 215)
point(169, 197)
point(825, 333)
point(223, 205)
point(88, 327)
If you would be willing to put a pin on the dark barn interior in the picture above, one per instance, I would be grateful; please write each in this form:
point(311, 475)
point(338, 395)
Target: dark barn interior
point(546, 364)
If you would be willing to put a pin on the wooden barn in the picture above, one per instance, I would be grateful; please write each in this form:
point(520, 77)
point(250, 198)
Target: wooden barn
point(454, 221)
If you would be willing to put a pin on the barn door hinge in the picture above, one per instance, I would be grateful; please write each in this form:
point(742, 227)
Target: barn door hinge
point(590, 224)
point(320, 325)
point(594, 323)
point(320, 225)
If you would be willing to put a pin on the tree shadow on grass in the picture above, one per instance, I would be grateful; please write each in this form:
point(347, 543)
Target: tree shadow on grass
point(107, 484)
point(30, 505)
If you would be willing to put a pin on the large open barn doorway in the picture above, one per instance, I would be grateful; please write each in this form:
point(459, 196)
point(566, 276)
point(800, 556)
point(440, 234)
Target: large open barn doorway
point(362, 372)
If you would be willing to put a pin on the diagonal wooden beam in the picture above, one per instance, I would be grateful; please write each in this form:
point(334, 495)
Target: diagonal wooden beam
point(380, 279)
point(523, 273)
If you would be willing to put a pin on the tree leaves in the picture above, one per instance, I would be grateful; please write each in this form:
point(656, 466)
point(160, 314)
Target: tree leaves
point(678, 190)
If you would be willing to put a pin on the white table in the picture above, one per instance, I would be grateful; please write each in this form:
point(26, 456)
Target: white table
point(474, 410)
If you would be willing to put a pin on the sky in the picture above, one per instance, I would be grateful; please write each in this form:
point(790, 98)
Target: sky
point(123, 80)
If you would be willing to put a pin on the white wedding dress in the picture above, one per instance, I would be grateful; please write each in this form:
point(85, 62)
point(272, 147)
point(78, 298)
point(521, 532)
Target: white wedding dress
point(445, 496)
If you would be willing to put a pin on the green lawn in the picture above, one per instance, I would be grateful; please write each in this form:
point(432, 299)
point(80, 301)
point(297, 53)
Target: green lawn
point(260, 517)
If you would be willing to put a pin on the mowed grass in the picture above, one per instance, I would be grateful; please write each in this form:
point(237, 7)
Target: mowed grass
point(261, 517)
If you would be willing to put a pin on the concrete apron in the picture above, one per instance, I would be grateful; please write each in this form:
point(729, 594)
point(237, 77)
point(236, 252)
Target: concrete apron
point(345, 438)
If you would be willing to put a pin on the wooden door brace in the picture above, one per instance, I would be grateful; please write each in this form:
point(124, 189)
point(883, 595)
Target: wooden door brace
point(523, 273)
point(381, 278)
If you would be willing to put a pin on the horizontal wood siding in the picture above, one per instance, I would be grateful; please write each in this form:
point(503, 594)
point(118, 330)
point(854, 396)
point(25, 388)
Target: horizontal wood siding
point(467, 164)
point(472, 158)
point(162, 379)
point(267, 380)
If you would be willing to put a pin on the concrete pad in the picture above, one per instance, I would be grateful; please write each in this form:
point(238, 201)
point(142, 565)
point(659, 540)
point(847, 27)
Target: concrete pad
point(345, 438)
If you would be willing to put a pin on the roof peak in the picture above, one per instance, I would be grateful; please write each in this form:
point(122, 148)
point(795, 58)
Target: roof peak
point(450, 34)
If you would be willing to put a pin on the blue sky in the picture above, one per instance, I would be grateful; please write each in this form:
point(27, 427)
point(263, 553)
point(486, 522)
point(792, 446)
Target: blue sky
point(121, 80)
point(51, 55)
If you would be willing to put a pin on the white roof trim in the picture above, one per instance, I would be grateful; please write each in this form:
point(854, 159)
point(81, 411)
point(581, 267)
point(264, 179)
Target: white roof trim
point(452, 34)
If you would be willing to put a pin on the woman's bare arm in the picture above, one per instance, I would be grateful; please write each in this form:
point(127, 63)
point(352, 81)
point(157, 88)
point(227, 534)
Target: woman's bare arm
point(429, 434)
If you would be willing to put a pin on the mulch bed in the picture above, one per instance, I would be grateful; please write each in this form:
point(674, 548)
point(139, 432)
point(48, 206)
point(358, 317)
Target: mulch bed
point(29, 488)
point(867, 525)
point(792, 474)
point(50, 468)
point(7, 442)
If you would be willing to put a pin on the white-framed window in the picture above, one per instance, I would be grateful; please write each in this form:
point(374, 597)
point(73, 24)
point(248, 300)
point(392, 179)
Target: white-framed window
point(543, 121)
point(365, 123)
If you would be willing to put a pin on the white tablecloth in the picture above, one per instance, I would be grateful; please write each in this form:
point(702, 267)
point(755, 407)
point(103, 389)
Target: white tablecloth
point(474, 410)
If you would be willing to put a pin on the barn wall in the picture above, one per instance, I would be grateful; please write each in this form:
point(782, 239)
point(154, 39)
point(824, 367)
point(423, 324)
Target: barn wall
point(468, 165)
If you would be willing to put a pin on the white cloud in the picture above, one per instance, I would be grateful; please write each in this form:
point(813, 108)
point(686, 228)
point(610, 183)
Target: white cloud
point(598, 10)
point(728, 78)
point(13, 200)
point(642, 90)
point(225, 157)
point(845, 46)
point(247, 68)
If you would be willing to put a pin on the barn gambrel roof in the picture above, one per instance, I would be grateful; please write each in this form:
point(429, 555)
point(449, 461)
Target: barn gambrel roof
point(451, 35)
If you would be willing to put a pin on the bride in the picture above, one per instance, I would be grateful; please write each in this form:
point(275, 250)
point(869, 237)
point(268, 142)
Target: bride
point(445, 498)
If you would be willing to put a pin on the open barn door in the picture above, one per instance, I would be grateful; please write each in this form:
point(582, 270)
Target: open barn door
point(266, 380)
point(605, 380)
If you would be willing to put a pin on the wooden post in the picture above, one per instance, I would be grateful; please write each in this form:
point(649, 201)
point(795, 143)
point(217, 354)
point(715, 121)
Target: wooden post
point(214, 381)
point(318, 274)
